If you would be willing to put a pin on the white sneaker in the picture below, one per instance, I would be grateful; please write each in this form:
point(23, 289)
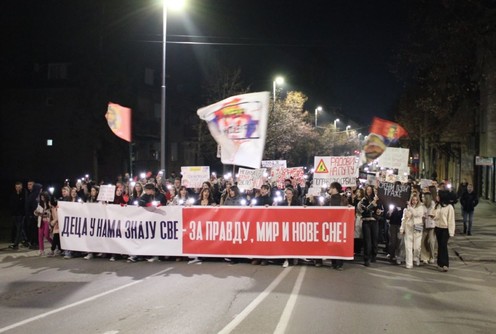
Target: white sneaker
point(112, 259)
point(285, 264)
point(132, 259)
point(195, 260)
point(417, 262)
point(398, 261)
point(89, 256)
point(153, 259)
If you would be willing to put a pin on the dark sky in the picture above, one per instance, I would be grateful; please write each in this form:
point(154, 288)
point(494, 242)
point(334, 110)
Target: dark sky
point(337, 52)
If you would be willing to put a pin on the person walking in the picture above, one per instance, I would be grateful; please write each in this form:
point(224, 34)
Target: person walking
point(31, 221)
point(44, 214)
point(336, 199)
point(17, 207)
point(370, 230)
point(469, 201)
point(290, 199)
point(394, 216)
point(412, 227)
point(429, 245)
point(444, 217)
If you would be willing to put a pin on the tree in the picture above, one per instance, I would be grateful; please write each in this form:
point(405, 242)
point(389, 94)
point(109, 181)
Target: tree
point(439, 67)
point(289, 136)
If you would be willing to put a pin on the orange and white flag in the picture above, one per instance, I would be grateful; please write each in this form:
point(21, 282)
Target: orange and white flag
point(119, 120)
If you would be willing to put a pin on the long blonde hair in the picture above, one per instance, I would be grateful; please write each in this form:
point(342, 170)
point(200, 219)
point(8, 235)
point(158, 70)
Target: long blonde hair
point(414, 195)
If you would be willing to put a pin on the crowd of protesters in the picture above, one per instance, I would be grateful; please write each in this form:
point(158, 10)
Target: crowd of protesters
point(415, 234)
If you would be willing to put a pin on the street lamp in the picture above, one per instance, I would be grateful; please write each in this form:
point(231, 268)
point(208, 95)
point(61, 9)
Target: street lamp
point(176, 5)
point(278, 81)
point(336, 121)
point(348, 127)
point(317, 110)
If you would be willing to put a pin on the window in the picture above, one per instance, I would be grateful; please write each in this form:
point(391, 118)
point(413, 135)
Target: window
point(57, 71)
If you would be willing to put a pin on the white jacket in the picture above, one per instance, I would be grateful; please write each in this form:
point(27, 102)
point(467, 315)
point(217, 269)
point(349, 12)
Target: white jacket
point(412, 216)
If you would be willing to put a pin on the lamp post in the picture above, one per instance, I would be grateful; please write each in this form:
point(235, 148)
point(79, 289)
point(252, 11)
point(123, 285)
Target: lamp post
point(336, 121)
point(317, 110)
point(278, 81)
point(176, 4)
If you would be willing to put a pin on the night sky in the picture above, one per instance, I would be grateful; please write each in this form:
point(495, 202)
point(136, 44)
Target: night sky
point(339, 53)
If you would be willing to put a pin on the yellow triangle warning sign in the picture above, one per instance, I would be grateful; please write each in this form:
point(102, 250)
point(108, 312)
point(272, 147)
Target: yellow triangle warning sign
point(321, 167)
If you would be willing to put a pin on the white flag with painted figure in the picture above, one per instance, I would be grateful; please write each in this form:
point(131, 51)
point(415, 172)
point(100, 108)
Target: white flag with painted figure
point(239, 125)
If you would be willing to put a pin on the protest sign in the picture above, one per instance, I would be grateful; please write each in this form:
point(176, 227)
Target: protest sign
point(193, 177)
point(295, 174)
point(134, 230)
point(274, 163)
point(425, 183)
point(394, 158)
point(106, 193)
point(273, 232)
point(396, 194)
point(250, 178)
point(342, 169)
point(266, 233)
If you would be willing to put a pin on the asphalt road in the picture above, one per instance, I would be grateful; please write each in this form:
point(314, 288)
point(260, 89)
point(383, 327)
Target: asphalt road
point(53, 295)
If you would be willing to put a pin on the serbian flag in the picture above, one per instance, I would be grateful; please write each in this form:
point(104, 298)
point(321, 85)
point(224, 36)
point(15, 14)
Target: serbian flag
point(382, 133)
point(239, 125)
point(390, 131)
point(119, 120)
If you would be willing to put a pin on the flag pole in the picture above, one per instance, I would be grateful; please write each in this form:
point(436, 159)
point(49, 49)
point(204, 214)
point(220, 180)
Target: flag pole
point(131, 159)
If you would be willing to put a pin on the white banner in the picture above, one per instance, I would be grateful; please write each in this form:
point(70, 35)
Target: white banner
point(194, 176)
point(342, 169)
point(109, 228)
point(239, 125)
point(394, 157)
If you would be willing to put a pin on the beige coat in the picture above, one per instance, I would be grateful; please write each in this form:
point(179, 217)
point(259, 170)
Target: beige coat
point(444, 216)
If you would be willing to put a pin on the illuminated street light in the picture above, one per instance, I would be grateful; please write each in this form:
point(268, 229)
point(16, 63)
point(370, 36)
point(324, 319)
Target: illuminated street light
point(348, 127)
point(174, 5)
point(317, 110)
point(277, 82)
point(336, 121)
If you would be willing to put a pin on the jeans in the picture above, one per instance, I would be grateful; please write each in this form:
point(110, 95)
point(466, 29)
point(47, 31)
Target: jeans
point(43, 233)
point(370, 230)
point(20, 234)
point(468, 218)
